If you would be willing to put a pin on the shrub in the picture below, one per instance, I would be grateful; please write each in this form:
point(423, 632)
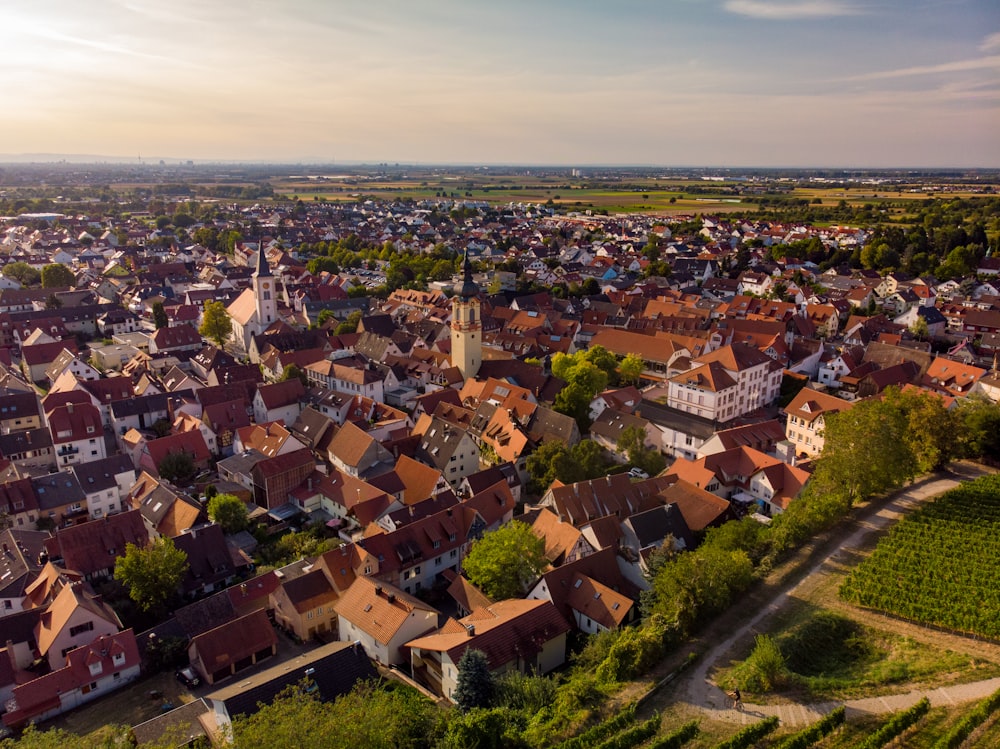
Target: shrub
point(764, 668)
point(635, 650)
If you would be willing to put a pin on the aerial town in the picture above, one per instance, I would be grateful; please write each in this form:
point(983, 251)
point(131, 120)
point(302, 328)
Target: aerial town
point(254, 442)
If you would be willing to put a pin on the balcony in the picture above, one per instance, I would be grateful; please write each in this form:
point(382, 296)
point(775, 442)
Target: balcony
point(67, 450)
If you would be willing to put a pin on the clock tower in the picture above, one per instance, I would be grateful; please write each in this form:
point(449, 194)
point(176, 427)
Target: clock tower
point(265, 293)
point(466, 325)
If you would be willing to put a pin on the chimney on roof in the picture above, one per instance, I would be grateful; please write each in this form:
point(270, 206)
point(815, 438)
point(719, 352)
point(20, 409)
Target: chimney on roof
point(470, 629)
point(69, 407)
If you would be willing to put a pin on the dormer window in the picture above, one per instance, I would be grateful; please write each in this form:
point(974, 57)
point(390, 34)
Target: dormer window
point(95, 668)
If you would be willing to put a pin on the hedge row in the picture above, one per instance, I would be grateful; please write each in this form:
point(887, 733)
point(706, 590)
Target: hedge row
point(810, 735)
point(979, 715)
point(601, 731)
point(895, 726)
point(678, 738)
point(750, 735)
point(633, 736)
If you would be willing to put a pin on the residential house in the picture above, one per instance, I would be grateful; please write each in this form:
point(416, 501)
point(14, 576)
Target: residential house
point(29, 449)
point(19, 566)
point(515, 635)
point(73, 617)
point(211, 563)
point(60, 498)
point(727, 383)
point(564, 543)
point(807, 414)
point(164, 510)
point(279, 401)
point(106, 484)
point(19, 503)
point(449, 449)
point(192, 444)
point(382, 618)
point(92, 548)
point(591, 592)
point(106, 663)
point(304, 605)
point(232, 647)
point(274, 479)
point(77, 433)
point(175, 339)
point(20, 410)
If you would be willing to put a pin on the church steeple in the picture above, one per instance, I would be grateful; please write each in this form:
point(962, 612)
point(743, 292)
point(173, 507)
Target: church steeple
point(265, 293)
point(466, 327)
point(263, 269)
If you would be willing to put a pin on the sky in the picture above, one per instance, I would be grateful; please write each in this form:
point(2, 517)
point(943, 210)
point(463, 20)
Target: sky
point(795, 83)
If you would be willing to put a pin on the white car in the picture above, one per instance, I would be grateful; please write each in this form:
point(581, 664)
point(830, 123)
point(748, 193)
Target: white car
point(638, 473)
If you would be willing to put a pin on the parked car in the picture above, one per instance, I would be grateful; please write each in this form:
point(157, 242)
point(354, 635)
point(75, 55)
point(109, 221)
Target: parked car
point(188, 677)
point(638, 473)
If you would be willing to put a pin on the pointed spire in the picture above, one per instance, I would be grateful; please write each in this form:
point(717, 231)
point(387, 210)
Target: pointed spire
point(469, 286)
point(263, 269)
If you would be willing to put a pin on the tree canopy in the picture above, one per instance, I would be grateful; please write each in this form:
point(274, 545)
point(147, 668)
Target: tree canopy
point(160, 319)
point(55, 275)
point(152, 574)
point(23, 273)
point(553, 460)
point(371, 715)
point(475, 686)
point(503, 562)
point(176, 466)
point(216, 324)
point(229, 511)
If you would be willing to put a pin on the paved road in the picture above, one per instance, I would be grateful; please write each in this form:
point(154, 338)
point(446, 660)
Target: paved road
point(702, 693)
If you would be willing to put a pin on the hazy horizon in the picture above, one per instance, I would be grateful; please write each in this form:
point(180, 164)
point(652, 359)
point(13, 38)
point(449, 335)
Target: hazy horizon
point(824, 84)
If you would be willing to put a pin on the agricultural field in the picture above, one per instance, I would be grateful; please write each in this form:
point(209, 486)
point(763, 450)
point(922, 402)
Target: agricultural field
point(939, 566)
point(656, 196)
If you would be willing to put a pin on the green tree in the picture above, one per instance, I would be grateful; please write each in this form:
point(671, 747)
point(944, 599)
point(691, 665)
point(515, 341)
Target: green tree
point(632, 442)
point(370, 716)
point(485, 728)
point(503, 562)
point(216, 325)
point(350, 325)
point(153, 574)
point(630, 369)
point(229, 511)
point(53, 302)
point(547, 463)
point(979, 435)
point(23, 273)
point(919, 328)
point(292, 371)
point(160, 315)
point(866, 451)
point(475, 686)
point(176, 466)
point(55, 275)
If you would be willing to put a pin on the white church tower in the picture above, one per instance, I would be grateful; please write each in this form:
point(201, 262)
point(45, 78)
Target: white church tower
point(265, 293)
point(466, 326)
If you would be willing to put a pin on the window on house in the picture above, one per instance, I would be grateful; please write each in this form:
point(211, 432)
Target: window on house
point(79, 629)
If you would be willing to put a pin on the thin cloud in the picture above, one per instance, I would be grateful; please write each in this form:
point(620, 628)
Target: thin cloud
point(958, 66)
point(990, 43)
point(793, 11)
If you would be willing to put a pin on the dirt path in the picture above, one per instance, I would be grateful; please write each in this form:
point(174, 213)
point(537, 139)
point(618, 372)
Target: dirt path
point(698, 691)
